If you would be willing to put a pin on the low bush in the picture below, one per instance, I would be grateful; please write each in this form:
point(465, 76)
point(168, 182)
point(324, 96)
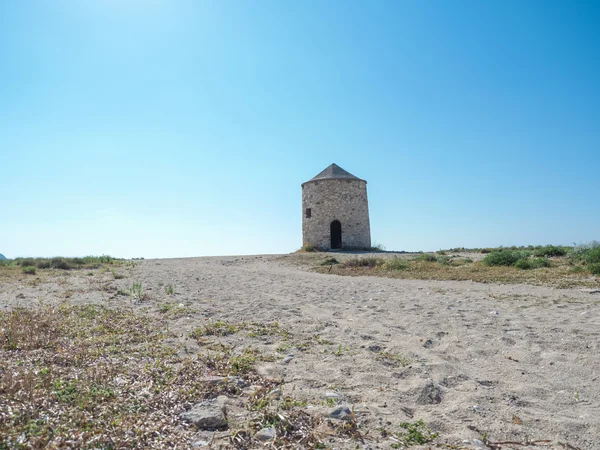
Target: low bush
point(25, 262)
point(426, 257)
point(29, 270)
point(540, 262)
point(308, 248)
point(594, 268)
point(444, 260)
point(592, 256)
point(364, 262)
point(505, 257)
point(43, 264)
point(396, 264)
point(59, 263)
point(329, 262)
point(550, 250)
point(87, 262)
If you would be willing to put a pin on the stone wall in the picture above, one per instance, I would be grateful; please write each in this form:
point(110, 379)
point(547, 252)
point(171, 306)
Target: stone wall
point(336, 199)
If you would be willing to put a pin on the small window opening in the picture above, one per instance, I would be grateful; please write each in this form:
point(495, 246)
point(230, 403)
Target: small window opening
point(308, 213)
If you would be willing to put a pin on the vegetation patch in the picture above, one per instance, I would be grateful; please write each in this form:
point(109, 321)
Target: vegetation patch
point(88, 375)
point(551, 251)
point(224, 328)
point(29, 270)
point(575, 268)
point(308, 248)
point(329, 262)
point(413, 433)
point(363, 262)
point(505, 257)
point(86, 262)
point(396, 264)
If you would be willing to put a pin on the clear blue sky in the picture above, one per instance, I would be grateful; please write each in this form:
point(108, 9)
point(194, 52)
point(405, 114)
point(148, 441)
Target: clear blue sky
point(164, 128)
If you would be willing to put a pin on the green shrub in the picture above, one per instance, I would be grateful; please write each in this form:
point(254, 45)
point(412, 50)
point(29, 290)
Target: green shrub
point(415, 433)
point(426, 257)
point(29, 270)
point(540, 262)
point(523, 264)
point(25, 262)
point(43, 263)
point(550, 250)
point(396, 264)
point(594, 268)
point(505, 257)
point(592, 256)
point(535, 263)
point(104, 259)
point(60, 263)
point(444, 260)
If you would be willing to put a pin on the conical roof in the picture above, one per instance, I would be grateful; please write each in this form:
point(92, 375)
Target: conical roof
point(334, 172)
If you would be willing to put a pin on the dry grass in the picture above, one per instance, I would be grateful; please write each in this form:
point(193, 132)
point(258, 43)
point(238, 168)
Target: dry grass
point(562, 273)
point(93, 377)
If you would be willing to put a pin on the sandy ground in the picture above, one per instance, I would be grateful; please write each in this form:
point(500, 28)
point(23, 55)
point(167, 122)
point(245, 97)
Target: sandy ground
point(511, 362)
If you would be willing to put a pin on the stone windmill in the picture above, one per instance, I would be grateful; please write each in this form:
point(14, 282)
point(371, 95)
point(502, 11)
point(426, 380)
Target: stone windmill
point(335, 211)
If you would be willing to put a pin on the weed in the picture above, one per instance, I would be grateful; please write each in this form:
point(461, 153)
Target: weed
point(289, 402)
point(219, 328)
point(169, 289)
point(136, 292)
point(319, 340)
point(308, 248)
point(116, 276)
point(364, 262)
point(396, 264)
point(283, 348)
point(227, 364)
point(329, 262)
point(443, 260)
point(391, 359)
point(331, 402)
point(340, 350)
point(264, 329)
point(414, 433)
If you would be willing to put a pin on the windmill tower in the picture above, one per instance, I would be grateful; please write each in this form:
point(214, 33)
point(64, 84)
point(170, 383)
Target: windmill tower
point(335, 210)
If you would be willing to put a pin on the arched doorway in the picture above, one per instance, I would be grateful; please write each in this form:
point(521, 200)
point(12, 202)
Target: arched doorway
point(336, 234)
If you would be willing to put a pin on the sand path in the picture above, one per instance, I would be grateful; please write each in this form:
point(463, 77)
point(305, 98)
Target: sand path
point(516, 362)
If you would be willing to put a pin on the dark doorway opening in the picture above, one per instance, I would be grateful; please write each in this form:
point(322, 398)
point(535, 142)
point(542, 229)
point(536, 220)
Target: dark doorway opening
point(336, 234)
